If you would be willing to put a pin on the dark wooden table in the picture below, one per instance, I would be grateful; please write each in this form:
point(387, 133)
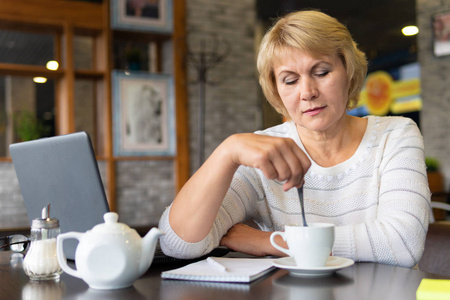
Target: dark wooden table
point(361, 281)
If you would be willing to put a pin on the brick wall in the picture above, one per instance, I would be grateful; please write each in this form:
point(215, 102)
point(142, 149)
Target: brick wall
point(12, 209)
point(145, 188)
point(231, 103)
point(435, 79)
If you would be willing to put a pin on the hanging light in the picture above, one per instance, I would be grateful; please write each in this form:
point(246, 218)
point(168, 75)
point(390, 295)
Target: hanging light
point(52, 65)
point(410, 30)
point(39, 79)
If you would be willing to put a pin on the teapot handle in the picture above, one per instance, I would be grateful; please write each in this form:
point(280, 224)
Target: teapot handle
point(60, 253)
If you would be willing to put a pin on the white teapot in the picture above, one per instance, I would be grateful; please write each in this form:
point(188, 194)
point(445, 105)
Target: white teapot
point(111, 255)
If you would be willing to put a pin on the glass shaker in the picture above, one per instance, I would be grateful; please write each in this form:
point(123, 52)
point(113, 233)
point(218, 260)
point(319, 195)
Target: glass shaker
point(41, 262)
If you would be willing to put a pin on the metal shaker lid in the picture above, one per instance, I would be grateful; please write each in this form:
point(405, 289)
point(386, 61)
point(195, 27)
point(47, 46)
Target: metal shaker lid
point(45, 222)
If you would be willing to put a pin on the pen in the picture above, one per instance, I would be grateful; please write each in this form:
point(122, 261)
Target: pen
point(216, 264)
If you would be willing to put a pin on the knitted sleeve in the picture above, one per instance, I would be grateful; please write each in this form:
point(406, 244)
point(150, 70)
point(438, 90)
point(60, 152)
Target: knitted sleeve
point(397, 235)
point(237, 206)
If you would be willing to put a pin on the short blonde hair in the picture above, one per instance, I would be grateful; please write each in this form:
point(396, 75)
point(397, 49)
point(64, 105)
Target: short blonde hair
point(316, 33)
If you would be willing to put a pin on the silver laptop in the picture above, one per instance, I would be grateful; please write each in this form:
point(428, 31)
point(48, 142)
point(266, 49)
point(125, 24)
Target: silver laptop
point(61, 171)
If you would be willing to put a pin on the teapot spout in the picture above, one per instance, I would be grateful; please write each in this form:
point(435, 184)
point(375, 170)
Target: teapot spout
point(149, 242)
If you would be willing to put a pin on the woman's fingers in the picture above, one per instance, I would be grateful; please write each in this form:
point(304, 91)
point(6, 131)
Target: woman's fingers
point(278, 158)
point(290, 162)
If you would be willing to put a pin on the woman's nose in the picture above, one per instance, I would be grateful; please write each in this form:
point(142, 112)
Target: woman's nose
point(308, 90)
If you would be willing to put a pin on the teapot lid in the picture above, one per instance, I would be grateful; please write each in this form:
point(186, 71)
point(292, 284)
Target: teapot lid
point(111, 225)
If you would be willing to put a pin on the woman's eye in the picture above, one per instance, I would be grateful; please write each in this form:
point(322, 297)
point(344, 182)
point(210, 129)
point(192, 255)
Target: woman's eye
point(322, 73)
point(290, 81)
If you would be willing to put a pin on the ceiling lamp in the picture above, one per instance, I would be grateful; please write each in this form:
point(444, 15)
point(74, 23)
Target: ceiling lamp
point(410, 30)
point(52, 65)
point(40, 79)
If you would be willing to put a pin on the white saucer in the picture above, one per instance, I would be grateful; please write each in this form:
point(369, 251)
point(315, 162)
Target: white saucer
point(334, 263)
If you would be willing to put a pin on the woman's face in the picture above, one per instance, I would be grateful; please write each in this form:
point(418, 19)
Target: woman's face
point(314, 89)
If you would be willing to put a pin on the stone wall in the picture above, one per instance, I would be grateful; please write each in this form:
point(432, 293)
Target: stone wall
point(435, 80)
point(145, 188)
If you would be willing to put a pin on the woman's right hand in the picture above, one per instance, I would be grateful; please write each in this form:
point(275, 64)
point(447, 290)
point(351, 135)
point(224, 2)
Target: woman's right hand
point(278, 158)
point(196, 206)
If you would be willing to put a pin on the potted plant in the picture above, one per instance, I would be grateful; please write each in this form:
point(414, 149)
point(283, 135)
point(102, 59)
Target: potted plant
point(134, 58)
point(28, 127)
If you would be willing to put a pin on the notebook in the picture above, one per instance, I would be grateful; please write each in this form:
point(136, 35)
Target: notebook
point(223, 269)
point(61, 171)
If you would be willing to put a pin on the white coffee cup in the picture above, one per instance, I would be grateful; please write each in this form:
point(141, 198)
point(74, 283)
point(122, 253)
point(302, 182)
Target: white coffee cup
point(309, 246)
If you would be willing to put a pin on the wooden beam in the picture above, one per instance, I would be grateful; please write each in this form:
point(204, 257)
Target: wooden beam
point(104, 61)
point(181, 103)
point(47, 12)
point(66, 86)
point(28, 70)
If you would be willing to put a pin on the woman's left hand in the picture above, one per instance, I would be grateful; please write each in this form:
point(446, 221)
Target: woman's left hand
point(246, 239)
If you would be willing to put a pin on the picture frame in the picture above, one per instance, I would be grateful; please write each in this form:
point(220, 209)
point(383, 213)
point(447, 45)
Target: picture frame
point(143, 114)
point(142, 15)
point(441, 33)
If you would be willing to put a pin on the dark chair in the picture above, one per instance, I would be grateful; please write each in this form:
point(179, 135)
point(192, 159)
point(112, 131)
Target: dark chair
point(436, 206)
point(436, 257)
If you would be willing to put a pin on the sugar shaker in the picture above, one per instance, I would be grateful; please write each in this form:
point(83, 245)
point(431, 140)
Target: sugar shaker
point(41, 262)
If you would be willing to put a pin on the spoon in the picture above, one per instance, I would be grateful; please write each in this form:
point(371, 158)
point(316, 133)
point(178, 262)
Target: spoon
point(300, 196)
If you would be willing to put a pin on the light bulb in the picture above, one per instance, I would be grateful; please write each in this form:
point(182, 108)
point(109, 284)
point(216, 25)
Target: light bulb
point(52, 65)
point(40, 79)
point(410, 30)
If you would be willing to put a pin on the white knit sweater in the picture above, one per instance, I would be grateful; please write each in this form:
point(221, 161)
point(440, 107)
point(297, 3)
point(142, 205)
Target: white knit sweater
point(378, 199)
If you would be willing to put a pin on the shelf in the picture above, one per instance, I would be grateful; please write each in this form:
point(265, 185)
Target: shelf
point(28, 70)
point(140, 36)
point(89, 74)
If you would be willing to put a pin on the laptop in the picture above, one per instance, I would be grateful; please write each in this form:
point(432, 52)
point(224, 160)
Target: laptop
point(61, 171)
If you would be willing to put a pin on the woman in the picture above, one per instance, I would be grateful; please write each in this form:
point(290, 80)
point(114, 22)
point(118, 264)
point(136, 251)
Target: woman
point(365, 175)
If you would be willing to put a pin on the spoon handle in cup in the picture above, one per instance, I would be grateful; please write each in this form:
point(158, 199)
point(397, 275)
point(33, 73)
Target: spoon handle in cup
point(300, 196)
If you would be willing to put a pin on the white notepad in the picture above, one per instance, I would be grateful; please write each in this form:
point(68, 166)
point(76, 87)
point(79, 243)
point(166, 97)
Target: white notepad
point(237, 270)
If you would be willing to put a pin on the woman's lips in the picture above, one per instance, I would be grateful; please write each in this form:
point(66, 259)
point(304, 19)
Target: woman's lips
point(314, 111)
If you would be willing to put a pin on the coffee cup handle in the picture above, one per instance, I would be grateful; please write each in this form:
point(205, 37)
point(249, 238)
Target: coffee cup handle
point(272, 241)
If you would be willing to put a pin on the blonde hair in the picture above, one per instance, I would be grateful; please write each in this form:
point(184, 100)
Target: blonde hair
point(315, 33)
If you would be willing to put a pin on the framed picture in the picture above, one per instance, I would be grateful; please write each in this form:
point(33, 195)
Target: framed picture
point(441, 33)
point(142, 15)
point(143, 114)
